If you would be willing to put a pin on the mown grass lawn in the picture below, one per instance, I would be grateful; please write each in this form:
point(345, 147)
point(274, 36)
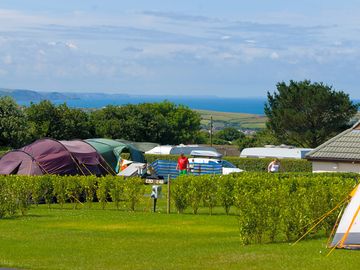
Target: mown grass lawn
point(111, 239)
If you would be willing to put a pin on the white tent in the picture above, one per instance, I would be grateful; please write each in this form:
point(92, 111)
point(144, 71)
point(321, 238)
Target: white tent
point(348, 232)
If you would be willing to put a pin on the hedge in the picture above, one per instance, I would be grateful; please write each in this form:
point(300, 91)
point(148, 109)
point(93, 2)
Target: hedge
point(18, 193)
point(269, 207)
point(252, 164)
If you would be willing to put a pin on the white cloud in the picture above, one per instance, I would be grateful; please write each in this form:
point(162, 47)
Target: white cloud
point(3, 72)
point(71, 45)
point(225, 37)
point(274, 55)
point(7, 60)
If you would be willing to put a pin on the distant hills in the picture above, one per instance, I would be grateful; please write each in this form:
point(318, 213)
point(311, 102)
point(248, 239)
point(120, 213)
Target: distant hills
point(22, 95)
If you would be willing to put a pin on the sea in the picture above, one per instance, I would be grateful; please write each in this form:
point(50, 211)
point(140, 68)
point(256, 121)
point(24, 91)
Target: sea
point(220, 104)
point(210, 103)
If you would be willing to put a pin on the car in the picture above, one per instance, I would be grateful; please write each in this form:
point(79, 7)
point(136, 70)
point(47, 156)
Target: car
point(212, 158)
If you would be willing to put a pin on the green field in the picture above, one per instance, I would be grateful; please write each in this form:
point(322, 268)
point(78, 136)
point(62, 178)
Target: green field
point(236, 120)
point(111, 239)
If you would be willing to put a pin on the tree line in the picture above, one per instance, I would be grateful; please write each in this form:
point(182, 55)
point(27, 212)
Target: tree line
point(302, 114)
point(164, 122)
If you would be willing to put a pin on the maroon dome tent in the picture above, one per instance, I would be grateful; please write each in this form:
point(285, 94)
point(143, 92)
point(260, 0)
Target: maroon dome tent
point(48, 156)
point(19, 162)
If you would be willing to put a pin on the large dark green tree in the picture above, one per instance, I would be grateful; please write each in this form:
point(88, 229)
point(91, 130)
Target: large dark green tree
point(13, 125)
point(164, 122)
point(306, 114)
point(58, 122)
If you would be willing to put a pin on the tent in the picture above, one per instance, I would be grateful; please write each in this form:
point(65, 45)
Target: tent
point(348, 232)
point(142, 146)
point(111, 151)
point(48, 156)
point(19, 162)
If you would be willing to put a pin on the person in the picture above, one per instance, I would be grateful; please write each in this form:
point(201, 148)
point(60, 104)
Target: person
point(274, 166)
point(182, 164)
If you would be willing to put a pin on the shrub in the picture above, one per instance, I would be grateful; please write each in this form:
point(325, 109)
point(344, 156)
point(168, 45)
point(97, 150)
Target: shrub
point(74, 189)
point(21, 190)
point(269, 207)
point(43, 189)
point(209, 191)
point(60, 189)
point(194, 193)
point(102, 191)
point(179, 193)
point(88, 184)
point(8, 204)
point(117, 190)
point(134, 190)
point(225, 192)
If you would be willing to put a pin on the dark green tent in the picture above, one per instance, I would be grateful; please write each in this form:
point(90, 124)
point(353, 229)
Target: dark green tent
point(111, 151)
point(142, 146)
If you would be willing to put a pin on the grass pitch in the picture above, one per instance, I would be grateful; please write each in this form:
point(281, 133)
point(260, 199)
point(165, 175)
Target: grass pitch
point(111, 239)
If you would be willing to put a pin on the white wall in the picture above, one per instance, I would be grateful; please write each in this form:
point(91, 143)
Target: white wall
point(322, 166)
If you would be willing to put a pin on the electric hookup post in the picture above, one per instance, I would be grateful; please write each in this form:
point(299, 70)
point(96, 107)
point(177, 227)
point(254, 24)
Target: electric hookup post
point(155, 194)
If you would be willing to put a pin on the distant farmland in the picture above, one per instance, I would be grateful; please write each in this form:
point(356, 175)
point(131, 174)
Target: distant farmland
point(236, 120)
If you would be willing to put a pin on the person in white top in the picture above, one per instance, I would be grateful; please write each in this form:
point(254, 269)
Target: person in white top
point(274, 166)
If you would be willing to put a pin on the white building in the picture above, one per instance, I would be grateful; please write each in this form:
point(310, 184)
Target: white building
point(275, 152)
point(339, 154)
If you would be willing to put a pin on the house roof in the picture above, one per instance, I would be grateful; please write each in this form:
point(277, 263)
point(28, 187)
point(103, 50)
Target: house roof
point(343, 147)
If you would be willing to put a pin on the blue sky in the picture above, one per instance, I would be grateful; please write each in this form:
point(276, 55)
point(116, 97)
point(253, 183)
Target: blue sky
point(224, 48)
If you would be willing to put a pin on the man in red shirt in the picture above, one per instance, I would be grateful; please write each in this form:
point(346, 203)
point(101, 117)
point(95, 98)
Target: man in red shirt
point(182, 164)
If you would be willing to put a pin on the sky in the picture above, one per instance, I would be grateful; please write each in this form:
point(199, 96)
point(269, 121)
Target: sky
point(228, 48)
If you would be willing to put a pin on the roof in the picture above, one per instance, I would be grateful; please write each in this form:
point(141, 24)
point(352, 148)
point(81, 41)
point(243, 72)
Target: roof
point(160, 150)
point(343, 147)
point(142, 146)
point(274, 152)
point(204, 153)
point(187, 149)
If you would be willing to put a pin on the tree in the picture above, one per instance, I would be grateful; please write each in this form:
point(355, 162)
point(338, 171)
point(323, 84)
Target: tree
point(13, 125)
point(75, 123)
point(44, 119)
point(184, 124)
point(163, 122)
point(306, 114)
point(131, 122)
point(58, 122)
point(229, 134)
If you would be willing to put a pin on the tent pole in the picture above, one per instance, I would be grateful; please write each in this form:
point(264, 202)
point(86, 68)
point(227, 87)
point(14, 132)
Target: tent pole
point(348, 230)
point(112, 172)
point(41, 167)
point(335, 226)
point(333, 248)
point(30, 168)
point(87, 169)
point(321, 219)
